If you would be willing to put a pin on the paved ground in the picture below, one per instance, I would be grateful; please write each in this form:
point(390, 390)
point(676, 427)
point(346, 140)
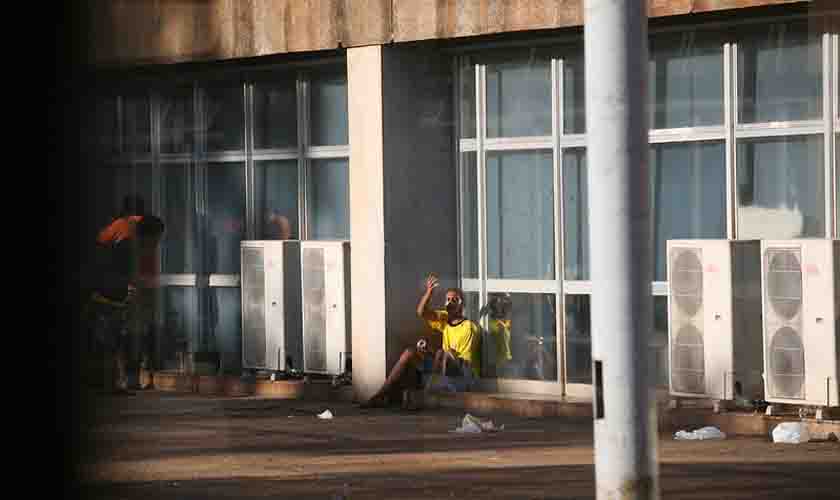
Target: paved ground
point(157, 446)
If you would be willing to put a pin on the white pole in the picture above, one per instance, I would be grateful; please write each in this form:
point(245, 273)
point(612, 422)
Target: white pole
point(615, 35)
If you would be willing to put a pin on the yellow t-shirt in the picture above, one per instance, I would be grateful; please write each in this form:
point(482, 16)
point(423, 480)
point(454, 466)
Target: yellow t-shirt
point(463, 338)
point(500, 331)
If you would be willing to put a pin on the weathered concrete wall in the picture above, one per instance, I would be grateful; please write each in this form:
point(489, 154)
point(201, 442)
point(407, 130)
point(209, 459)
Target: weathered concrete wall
point(130, 32)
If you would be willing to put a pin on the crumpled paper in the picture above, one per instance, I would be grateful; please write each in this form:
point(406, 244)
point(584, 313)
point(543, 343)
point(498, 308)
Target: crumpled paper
point(325, 415)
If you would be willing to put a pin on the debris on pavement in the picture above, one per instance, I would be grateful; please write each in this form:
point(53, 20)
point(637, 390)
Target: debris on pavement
point(700, 434)
point(325, 415)
point(791, 433)
point(473, 425)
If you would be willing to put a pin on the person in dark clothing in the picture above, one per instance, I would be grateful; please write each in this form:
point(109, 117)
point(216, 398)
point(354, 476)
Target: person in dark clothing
point(126, 259)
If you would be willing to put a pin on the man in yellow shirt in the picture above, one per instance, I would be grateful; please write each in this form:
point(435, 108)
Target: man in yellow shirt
point(461, 345)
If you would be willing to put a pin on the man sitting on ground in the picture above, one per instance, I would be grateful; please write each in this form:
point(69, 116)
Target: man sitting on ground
point(461, 345)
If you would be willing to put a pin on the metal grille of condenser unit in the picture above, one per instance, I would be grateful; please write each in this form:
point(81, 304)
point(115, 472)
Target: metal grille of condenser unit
point(686, 289)
point(784, 297)
point(253, 303)
point(314, 310)
point(784, 283)
point(687, 364)
point(787, 363)
point(687, 280)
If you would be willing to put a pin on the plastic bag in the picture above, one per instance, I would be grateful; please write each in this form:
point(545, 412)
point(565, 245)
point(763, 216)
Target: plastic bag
point(473, 425)
point(700, 434)
point(791, 432)
point(325, 415)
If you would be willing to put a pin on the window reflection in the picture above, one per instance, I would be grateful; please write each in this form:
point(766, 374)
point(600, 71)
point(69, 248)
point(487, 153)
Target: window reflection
point(277, 199)
point(686, 80)
point(224, 117)
point(688, 195)
point(520, 215)
point(780, 74)
point(520, 339)
point(578, 340)
point(225, 225)
point(781, 188)
point(519, 94)
point(329, 203)
point(176, 121)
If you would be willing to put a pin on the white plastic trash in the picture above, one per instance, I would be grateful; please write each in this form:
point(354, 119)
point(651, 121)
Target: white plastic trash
point(325, 415)
point(700, 434)
point(791, 432)
point(473, 425)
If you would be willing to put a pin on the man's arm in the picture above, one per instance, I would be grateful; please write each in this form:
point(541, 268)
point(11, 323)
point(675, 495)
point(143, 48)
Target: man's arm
point(422, 306)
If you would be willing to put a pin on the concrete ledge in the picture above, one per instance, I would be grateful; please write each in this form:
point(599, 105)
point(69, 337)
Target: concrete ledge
point(743, 424)
point(232, 386)
point(498, 403)
point(281, 389)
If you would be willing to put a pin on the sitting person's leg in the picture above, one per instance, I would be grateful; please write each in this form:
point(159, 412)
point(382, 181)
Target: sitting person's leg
point(406, 361)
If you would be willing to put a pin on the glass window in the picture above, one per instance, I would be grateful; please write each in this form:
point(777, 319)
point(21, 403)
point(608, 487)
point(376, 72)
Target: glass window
point(277, 199)
point(575, 213)
point(780, 74)
point(275, 114)
point(519, 95)
point(781, 191)
point(101, 134)
point(178, 247)
point(224, 328)
point(134, 180)
point(688, 195)
point(328, 108)
point(328, 201)
point(179, 335)
point(469, 216)
point(685, 81)
point(520, 341)
point(137, 128)
point(224, 117)
point(176, 121)
point(574, 98)
point(520, 215)
point(467, 107)
point(578, 340)
point(658, 343)
point(225, 225)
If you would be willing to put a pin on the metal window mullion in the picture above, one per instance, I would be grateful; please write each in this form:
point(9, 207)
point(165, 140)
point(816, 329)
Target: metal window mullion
point(303, 142)
point(250, 173)
point(559, 232)
point(481, 174)
point(835, 88)
point(730, 96)
point(828, 125)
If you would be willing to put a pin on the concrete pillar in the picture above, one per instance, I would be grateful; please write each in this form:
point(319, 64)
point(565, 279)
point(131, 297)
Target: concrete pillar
point(367, 220)
point(403, 198)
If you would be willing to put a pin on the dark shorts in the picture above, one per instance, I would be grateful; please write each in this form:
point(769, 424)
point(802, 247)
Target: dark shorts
point(110, 326)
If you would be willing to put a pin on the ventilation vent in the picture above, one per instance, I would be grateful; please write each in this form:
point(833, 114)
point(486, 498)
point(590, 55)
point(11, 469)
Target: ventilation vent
point(784, 283)
point(314, 311)
point(687, 368)
point(253, 313)
point(687, 280)
point(787, 364)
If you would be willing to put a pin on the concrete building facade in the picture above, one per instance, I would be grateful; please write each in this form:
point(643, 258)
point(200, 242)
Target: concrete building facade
point(447, 136)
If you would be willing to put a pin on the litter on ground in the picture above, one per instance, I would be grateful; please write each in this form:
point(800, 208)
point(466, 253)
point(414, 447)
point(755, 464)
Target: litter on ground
point(700, 434)
point(473, 425)
point(325, 415)
point(791, 433)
